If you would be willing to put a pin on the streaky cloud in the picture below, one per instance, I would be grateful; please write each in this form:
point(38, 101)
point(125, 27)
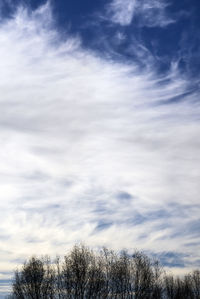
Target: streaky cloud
point(148, 14)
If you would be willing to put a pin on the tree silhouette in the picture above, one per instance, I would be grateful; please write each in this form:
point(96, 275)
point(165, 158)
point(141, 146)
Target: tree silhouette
point(85, 274)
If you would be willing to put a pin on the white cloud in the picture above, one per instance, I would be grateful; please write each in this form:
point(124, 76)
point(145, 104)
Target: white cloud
point(149, 13)
point(76, 130)
point(122, 11)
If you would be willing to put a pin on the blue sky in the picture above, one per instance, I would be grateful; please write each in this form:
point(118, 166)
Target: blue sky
point(99, 129)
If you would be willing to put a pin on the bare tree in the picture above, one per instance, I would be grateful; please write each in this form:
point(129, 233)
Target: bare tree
point(35, 280)
point(195, 276)
point(85, 274)
point(143, 276)
point(82, 274)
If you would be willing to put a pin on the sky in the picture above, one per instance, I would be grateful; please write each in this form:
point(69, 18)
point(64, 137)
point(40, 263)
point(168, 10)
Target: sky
point(99, 129)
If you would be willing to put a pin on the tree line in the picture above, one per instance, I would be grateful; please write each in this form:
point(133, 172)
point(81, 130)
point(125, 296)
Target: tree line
point(85, 274)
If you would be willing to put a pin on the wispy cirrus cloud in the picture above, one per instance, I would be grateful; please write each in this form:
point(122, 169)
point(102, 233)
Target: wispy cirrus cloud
point(122, 12)
point(148, 13)
point(92, 148)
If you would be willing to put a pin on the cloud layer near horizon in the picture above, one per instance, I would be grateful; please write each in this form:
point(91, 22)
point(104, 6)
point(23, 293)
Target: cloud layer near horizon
point(92, 149)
